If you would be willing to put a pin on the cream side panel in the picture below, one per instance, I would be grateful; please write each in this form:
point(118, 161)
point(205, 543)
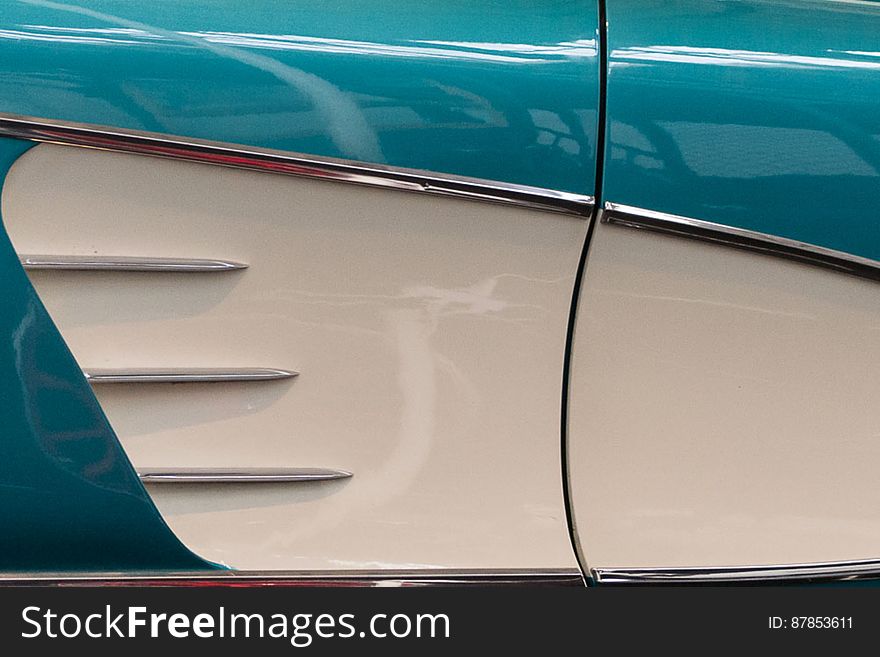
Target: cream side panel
point(724, 407)
point(429, 335)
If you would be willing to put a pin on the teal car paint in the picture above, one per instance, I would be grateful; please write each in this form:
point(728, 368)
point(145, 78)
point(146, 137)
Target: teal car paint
point(69, 498)
point(755, 114)
point(490, 90)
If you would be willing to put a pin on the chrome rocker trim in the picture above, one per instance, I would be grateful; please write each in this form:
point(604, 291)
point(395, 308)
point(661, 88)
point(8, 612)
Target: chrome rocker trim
point(309, 166)
point(632, 217)
point(239, 475)
point(238, 578)
point(838, 571)
point(189, 375)
point(126, 263)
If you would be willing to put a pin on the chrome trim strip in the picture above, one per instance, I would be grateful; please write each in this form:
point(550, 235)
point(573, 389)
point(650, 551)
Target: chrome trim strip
point(238, 475)
point(632, 217)
point(828, 571)
point(126, 263)
point(187, 375)
point(309, 166)
point(389, 578)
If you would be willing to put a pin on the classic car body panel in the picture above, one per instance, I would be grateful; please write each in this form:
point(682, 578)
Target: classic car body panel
point(502, 95)
point(718, 405)
point(488, 90)
point(756, 114)
point(722, 404)
point(722, 408)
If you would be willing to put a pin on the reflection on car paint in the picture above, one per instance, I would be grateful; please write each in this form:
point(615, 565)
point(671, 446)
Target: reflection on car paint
point(716, 116)
point(460, 89)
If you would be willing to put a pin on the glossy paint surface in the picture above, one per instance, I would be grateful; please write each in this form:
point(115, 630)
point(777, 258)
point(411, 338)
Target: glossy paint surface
point(69, 499)
point(495, 90)
point(758, 114)
point(429, 336)
point(723, 408)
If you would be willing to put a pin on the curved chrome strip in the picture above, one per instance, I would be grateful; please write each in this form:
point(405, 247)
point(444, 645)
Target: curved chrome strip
point(188, 375)
point(381, 578)
point(238, 475)
point(310, 166)
point(632, 217)
point(126, 263)
point(833, 571)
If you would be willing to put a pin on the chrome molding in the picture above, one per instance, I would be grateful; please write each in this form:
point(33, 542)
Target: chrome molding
point(238, 475)
point(238, 578)
point(309, 166)
point(187, 375)
point(839, 571)
point(126, 263)
point(632, 217)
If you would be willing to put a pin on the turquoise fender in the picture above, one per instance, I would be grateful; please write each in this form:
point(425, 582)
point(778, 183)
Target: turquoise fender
point(756, 114)
point(505, 91)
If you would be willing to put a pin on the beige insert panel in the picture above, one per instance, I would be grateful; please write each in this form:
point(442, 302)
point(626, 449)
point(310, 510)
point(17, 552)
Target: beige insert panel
point(429, 334)
point(724, 407)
